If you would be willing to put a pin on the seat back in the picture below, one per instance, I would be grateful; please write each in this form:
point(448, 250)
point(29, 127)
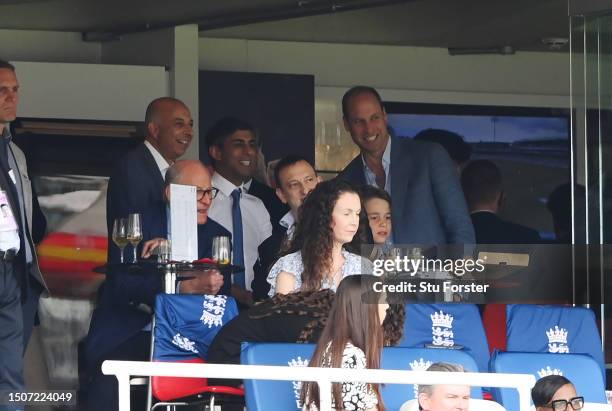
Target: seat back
point(185, 325)
point(554, 329)
point(581, 369)
point(268, 395)
point(419, 359)
point(284, 395)
point(447, 326)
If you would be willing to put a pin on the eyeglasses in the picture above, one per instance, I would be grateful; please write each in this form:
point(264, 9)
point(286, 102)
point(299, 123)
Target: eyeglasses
point(212, 192)
point(561, 405)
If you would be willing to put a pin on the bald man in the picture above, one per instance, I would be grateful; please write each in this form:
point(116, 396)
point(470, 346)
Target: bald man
point(119, 327)
point(137, 180)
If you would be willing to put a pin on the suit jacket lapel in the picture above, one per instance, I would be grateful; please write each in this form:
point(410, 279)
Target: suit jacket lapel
point(402, 171)
point(152, 165)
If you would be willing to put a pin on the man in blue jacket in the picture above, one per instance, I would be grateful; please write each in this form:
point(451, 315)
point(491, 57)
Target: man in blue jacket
point(428, 205)
point(120, 328)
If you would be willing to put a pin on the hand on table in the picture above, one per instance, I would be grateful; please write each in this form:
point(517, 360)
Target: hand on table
point(204, 282)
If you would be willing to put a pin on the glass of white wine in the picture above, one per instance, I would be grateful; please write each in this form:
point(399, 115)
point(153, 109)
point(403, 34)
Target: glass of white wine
point(221, 250)
point(120, 234)
point(134, 232)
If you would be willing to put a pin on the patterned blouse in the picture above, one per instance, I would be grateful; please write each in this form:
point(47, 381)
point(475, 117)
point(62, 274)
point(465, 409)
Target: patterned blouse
point(356, 396)
point(292, 264)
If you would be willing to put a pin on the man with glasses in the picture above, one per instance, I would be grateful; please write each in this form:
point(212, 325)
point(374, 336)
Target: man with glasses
point(120, 327)
point(442, 397)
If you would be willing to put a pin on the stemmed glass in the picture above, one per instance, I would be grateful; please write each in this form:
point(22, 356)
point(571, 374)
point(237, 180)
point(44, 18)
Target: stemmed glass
point(134, 232)
point(221, 250)
point(120, 234)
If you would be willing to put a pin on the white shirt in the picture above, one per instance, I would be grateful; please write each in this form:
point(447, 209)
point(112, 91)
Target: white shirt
point(288, 222)
point(370, 176)
point(256, 226)
point(161, 162)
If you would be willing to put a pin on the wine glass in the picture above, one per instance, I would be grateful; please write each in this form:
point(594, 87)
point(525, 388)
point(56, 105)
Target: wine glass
point(164, 251)
point(120, 234)
point(134, 231)
point(221, 250)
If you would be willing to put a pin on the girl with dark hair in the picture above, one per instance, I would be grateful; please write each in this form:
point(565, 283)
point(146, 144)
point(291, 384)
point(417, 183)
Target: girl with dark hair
point(555, 392)
point(377, 205)
point(319, 255)
point(352, 338)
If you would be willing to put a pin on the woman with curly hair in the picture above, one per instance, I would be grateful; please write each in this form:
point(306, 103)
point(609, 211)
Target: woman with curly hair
point(352, 338)
point(319, 256)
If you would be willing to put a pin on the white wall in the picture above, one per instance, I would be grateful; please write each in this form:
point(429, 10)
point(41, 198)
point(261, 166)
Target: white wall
point(88, 91)
point(405, 73)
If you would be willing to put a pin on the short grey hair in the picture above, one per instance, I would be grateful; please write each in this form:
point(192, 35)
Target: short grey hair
point(173, 175)
point(440, 366)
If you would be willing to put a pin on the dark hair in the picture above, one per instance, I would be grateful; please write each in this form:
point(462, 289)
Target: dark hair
point(153, 107)
point(368, 192)
point(482, 182)
point(6, 65)
point(315, 304)
point(285, 162)
point(545, 388)
point(222, 129)
point(350, 320)
point(355, 91)
point(458, 150)
point(313, 232)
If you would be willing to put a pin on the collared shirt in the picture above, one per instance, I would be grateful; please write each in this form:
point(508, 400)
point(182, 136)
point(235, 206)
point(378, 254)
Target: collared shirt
point(161, 162)
point(8, 239)
point(256, 226)
point(370, 176)
point(288, 222)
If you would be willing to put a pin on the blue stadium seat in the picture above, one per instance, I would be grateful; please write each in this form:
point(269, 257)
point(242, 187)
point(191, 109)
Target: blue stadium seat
point(185, 325)
point(554, 329)
point(284, 395)
point(447, 326)
point(267, 395)
point(419, 359)
point(581, 369)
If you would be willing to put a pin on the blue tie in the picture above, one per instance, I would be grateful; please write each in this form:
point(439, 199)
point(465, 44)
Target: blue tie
point(237, 238)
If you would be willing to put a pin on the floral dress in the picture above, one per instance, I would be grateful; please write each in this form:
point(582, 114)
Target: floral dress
point(356, 396)
point(292, 264)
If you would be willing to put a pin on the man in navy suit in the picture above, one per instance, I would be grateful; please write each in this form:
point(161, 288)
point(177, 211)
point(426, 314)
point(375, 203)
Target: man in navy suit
point(483, 187)
point(428, 204)
point(137, 182)
point(120, 327)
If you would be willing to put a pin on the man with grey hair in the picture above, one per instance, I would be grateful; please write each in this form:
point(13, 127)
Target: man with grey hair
point(119, 329)
point(441, 397)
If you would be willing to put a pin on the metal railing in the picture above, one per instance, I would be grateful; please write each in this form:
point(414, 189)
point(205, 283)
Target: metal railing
point(323, 376)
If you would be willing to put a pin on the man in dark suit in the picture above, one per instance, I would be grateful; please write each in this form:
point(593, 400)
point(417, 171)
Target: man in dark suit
point(483, 187)
point(428, 205)
point(295, 178)
point(119, 325)
point(137, 182)
point(21, 282)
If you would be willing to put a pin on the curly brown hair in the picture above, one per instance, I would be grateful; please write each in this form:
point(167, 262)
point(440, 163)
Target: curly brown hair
point(314, 236)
